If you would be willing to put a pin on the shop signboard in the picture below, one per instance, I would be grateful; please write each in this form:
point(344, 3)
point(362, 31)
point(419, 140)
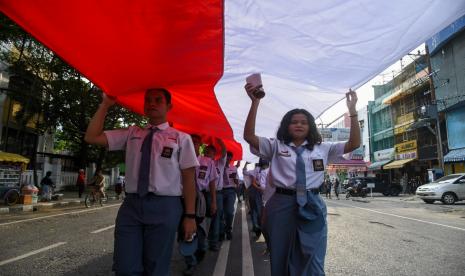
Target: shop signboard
point(406, 150)
point(406, 146)
point(385, 154)
point(406, 155)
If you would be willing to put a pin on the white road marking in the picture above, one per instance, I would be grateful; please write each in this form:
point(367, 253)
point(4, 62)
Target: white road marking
point(58, 215)
point(103, 229)
point(222, 261)
point(402, 217)
point(247, 260)
point(31, 253)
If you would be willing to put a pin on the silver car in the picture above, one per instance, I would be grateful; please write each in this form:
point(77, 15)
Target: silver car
point(448, 189)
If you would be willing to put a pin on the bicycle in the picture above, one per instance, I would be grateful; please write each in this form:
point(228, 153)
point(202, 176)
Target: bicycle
point(95, 195)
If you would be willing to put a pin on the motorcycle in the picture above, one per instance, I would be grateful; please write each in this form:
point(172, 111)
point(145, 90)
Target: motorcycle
point(354, 191)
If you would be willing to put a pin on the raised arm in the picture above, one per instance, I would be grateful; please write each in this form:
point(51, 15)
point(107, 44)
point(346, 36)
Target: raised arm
point(249, 128)
point(223, 147)
point(94, 134)
point(354, 137)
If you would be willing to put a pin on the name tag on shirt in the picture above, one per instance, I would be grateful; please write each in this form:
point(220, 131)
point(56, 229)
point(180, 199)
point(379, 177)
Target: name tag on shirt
point(167, 152)
point(202, 172)
point(284, 153)
point(318, 165)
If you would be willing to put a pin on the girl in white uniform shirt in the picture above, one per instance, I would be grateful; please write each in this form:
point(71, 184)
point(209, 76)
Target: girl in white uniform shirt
point(298, 158)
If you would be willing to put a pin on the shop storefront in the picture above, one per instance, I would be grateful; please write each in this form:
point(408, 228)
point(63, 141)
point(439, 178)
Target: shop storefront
point(454, 160)
point(381, 158)
point(347, 169)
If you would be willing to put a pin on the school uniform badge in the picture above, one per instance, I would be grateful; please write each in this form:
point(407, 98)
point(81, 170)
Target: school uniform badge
point(202, 172)
point(318, 165)
point(167, 152)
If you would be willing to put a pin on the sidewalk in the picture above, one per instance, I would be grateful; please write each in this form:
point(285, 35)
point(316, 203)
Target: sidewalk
point(66, 198)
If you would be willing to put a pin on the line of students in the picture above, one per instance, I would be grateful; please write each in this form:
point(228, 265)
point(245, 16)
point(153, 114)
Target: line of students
point(165, 177)
point(216, 183)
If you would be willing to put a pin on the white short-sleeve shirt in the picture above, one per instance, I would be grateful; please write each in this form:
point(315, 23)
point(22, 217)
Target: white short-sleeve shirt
point(205, 173)
point(220, 165)
point(231, 172)
point(283, 161)
point(172, 151)
point(262, 177)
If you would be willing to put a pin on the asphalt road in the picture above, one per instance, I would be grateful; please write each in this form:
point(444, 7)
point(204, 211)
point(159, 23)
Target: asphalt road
point(379, 236)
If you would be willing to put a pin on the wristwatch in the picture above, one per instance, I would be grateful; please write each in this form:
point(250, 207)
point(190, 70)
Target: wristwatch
point(190, 216)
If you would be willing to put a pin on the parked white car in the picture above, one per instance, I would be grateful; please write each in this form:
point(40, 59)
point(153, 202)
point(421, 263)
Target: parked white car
point(448, 189)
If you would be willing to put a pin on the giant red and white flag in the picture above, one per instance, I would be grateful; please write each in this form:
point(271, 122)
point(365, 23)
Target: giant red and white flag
point(309, 52)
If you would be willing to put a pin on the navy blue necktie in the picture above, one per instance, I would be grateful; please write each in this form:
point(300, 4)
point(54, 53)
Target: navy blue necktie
point(300, 184)
point(144, 167)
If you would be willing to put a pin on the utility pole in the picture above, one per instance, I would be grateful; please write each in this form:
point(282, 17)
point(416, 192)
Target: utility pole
point(433, 98)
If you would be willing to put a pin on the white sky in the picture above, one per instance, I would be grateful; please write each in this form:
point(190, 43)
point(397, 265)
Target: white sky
point(365, 93)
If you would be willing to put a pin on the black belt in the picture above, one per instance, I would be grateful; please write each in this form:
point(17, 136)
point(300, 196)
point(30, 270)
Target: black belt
point(285, 191)
point(229, 188)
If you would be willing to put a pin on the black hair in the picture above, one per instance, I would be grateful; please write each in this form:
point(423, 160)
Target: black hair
point(313, 136)
point(196, 136)
point(263, 162)
point(165, 92)
point(229, 153)
point(210, 147)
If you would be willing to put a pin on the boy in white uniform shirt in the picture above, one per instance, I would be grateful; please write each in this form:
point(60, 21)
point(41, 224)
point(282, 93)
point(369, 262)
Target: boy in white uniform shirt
point(206, 178)
point(160, 167)
point(214, 231)
point(230, 183)
point(256, 195)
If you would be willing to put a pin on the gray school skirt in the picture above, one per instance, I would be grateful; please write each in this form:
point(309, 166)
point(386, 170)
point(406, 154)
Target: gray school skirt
point(297, 235)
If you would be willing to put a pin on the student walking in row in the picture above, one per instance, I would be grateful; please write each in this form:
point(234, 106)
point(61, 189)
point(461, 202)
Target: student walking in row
point(160, 168)
point(298, 158)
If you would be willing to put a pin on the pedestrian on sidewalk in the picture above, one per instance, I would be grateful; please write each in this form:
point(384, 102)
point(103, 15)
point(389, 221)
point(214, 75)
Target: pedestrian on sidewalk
point(119, 185)
point(296, 214)
point(81, 182)
point(160, 167)
point(328, 188)
point(47, 187)
point(336, 187)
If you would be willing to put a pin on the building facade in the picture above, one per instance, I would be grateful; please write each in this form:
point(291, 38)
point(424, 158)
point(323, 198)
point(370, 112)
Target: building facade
point(381, 131)
point(447, 51)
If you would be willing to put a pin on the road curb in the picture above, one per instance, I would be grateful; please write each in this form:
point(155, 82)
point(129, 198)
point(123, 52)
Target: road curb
point(46, 205)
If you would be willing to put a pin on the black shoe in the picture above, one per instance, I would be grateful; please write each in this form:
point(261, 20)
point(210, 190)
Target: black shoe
point(199, 255)
point(214, 248)
point(229, 236)
point(189, 270)
point(258, 232)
